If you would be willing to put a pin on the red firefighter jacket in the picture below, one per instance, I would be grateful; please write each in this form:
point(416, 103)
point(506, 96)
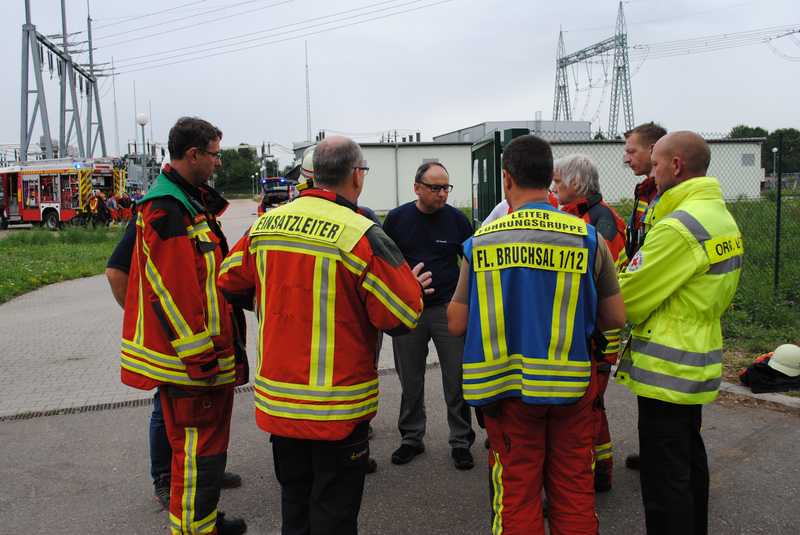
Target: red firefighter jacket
point(644, 194)
point(609, 224)
point(326, 281)
point(177, 327)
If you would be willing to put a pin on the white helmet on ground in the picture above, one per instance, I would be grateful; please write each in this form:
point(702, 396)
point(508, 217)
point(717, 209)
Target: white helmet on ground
point(786, 359)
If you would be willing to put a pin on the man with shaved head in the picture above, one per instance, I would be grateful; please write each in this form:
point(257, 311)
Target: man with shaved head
point(675, 290)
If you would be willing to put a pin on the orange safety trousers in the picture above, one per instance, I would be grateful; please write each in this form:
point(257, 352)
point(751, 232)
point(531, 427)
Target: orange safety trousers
point(603, 450)
point(536, 447)
point(198, 423)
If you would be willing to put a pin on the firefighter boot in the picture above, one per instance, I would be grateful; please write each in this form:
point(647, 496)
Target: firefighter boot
point(230, 526)
point(633, 461)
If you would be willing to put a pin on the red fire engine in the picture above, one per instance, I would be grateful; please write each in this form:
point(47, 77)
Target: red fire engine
point(52, 192)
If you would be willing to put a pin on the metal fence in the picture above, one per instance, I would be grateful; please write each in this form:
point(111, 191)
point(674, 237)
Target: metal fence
point(768, 215)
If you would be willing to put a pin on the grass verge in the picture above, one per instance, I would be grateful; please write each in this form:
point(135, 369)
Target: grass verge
point(33, 258)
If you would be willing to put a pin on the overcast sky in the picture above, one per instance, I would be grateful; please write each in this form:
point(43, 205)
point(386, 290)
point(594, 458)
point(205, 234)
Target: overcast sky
point(435, 69)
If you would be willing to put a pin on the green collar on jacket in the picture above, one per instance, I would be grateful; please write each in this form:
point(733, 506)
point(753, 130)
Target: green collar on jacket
point(164, 187)
point(698, 188)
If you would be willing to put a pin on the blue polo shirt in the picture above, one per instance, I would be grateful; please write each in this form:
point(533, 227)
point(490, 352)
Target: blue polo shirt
point(434, 239)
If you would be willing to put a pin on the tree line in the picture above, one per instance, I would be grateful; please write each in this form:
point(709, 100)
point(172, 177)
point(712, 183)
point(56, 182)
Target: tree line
point(791, 145)
point(238, 167)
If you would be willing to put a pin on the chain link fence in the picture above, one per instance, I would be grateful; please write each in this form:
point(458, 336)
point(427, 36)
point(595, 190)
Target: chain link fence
point(764, 313)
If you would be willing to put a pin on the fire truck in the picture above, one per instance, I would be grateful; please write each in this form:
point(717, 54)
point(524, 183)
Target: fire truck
point(53, 192)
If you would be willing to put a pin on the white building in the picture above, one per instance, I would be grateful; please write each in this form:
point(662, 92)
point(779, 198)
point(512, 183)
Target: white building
point(549, 130)
point(392, 167)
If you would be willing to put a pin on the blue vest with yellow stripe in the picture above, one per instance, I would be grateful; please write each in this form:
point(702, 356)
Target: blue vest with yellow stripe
point(532, 308)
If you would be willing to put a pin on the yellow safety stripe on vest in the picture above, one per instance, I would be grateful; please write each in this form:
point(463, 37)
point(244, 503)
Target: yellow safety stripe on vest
point(193, 345)
point(603, 451)
point(393, 304)
point(528, 365)
point(290, 245)
point(317, 412)
point(170, 361)
point(527, 387)
point(189, 476)
point(138, 335)
point(490, 305)
point(323, 325)
point(198, 230)
point(234, 260)
point(613, 336)
point(353, 263)
point(306, 392)
point(565, 303)
point(212, 300)
point(497, 498)
point(312, 228)
point(158, 374)
point(533, 219)
point(530, 255)
point(724, 252)
point(261, 267)
point(170, 308)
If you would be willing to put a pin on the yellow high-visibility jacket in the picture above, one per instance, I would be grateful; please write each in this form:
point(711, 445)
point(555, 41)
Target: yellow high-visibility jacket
point(675, 289)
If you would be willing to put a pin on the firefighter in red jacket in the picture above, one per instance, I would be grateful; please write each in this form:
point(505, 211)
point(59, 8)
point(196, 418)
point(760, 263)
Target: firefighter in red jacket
point(325, 281)
point(639, 143)
point(577, 185)
point(179, 334)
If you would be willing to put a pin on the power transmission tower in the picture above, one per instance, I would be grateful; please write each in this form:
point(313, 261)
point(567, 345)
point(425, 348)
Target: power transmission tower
point(561, 102)
point(620, 82)
point(34, 46)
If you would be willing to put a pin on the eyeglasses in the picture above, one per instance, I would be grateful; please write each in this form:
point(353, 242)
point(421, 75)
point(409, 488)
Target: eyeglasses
point(436, 188)
point(362, 168)
point(217, 155)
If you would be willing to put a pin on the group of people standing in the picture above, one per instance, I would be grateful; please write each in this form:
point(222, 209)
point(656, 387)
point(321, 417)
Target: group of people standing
point(525, 314)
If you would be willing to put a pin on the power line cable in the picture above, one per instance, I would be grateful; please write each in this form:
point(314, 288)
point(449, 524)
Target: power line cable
point(116, 21)
point(295, 37)
point(194, 47)
point(711, 43)
point(216, 19)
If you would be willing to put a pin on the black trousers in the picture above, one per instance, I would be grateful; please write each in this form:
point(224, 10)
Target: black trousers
point(674, 470)
point(321, 482)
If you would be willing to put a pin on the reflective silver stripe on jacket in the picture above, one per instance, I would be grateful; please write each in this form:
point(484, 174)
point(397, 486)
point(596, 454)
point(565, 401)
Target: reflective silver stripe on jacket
point(669, 382)
point(677, 356)
point(702, 236)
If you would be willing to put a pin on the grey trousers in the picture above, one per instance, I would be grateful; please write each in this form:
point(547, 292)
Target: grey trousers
point(410, 353)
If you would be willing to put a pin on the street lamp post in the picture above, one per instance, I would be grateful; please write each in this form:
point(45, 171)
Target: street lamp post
point(775, 161)
point(142, 120)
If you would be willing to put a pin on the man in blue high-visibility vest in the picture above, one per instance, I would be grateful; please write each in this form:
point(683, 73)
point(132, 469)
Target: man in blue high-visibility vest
point(534, 288)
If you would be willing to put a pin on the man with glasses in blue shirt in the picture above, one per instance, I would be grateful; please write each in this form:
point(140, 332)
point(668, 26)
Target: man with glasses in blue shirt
point(430, 231)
